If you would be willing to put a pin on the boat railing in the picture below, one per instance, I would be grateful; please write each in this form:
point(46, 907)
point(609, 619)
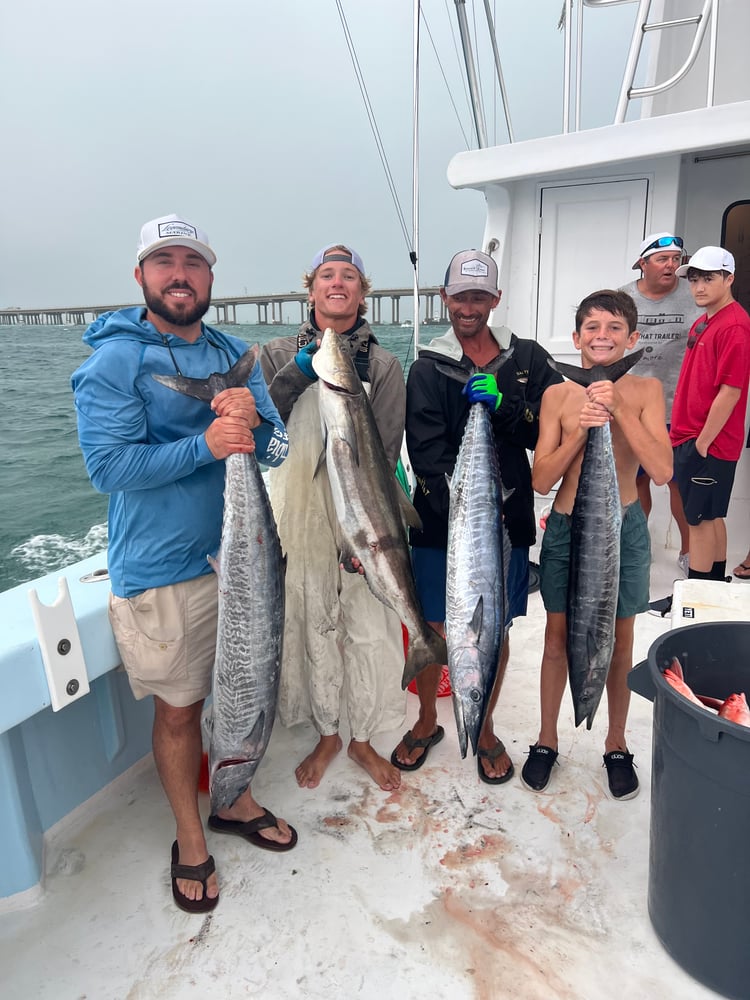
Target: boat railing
point(628, 92)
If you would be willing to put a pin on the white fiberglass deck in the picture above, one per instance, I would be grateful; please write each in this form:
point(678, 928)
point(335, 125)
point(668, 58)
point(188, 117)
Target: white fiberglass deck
point(449, 888)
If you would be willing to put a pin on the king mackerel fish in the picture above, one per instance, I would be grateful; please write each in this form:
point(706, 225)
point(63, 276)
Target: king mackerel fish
point(371, 508)
point(477, 567)
point(250, 567)
point(594, 576)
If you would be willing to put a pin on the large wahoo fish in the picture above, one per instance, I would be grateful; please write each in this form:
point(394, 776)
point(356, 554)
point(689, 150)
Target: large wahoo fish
point(477, 568)
point(371, 507)
point(594, 577)
point(250, 567)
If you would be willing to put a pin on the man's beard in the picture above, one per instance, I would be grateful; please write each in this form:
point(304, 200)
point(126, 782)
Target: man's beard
point(176, 313)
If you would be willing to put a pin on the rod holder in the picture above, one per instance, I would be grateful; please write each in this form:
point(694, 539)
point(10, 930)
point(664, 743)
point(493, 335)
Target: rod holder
point(60, 646)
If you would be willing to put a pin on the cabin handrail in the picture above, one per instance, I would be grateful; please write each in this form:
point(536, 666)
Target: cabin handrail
point(628, 93)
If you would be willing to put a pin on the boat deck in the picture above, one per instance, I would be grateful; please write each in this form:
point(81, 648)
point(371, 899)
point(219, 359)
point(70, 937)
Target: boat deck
point(447, 888)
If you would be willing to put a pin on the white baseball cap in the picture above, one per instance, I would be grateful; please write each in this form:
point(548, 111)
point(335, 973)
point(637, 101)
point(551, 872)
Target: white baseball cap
point(173, 230)
point(658, 243)
point(708, 259)
point(471, 271)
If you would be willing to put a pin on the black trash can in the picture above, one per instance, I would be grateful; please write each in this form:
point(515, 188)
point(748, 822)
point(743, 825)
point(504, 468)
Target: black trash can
point(699, 845)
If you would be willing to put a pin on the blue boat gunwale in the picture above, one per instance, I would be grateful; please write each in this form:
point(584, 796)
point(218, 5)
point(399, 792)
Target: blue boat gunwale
point(22, 675)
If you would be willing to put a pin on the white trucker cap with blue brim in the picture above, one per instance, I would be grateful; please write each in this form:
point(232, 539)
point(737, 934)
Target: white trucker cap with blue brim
point(173, 230)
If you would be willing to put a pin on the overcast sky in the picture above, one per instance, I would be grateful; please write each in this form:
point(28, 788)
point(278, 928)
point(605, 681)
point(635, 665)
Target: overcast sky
point(246, 118)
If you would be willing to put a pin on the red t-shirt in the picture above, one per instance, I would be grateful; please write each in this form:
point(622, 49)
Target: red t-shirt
point(720, 356)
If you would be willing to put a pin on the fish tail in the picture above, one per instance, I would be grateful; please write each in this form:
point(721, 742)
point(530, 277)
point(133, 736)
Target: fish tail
point(206, 388)
point(599, 373)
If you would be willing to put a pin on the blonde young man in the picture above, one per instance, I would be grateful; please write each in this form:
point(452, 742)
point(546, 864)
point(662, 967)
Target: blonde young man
point(666, 311)
point(634, 409)
point(343, 650)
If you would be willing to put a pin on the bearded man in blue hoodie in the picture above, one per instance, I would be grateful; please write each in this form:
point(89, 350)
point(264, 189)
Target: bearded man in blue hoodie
point(160, 457)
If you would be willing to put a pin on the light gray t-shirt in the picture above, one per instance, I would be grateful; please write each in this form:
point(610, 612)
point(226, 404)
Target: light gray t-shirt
point(664, 325)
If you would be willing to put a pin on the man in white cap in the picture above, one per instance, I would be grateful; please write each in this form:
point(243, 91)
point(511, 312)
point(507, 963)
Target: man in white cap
point(666, 311)
point(160, 456)
point(343, 649)
point(708, 415)
point(436, 413)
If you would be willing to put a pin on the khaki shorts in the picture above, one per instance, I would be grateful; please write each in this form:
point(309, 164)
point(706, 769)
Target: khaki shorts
point(167, 639)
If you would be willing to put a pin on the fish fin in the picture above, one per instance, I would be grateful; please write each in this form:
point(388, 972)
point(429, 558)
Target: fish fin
point(321, 463)
point(676, 667)
point(206, 388)
point(252, 740)
point(422, 651)
point(408, 511)
point(346, 432)
point(477, 619)
point(599, 373)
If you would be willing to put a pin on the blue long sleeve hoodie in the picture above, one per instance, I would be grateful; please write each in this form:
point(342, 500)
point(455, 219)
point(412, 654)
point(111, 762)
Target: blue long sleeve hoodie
point(145, 446)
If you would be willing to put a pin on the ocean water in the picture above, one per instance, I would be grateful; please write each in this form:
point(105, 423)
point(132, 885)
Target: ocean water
point(50, 515)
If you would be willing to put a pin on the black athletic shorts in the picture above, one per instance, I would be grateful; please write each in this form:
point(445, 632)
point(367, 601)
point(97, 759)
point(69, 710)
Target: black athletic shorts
point(705, 484)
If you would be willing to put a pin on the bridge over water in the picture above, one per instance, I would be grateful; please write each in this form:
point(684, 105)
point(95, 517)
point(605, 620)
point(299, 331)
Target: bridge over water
point(266, 309)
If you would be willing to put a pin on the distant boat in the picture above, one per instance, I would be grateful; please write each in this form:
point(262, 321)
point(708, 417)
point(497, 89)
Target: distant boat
point(406, 322)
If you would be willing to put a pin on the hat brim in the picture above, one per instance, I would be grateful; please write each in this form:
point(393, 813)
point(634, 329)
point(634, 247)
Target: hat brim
point(468, 286)
point(179, 241)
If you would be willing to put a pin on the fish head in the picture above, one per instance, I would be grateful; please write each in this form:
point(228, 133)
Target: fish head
point(334, 366)
point(469, 703)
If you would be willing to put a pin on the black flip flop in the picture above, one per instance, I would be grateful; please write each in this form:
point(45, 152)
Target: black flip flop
point(738, 576)
point(414, 744)
point(196, 873)
point(251, 830)
point(493, 754)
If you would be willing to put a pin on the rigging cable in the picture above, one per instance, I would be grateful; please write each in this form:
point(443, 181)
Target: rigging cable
point(373, 124)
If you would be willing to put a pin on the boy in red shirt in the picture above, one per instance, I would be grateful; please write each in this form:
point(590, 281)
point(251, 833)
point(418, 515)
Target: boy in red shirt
point(708, 414)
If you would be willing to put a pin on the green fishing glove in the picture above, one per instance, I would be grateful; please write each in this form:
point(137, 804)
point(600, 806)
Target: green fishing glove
point(482, 388)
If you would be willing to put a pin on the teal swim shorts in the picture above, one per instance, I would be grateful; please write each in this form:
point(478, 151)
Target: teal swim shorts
point(635, 562)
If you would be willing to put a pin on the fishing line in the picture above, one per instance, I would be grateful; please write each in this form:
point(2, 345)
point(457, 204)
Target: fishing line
point(373, 124)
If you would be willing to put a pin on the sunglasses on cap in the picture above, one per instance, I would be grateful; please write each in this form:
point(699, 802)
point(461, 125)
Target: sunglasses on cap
point(665, 241)
point(693, 338)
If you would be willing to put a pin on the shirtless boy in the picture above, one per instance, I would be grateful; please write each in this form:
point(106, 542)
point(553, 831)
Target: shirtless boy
point(634, 407)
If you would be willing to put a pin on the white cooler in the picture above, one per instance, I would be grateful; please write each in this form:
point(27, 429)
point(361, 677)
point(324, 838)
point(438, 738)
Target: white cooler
point(696, 601)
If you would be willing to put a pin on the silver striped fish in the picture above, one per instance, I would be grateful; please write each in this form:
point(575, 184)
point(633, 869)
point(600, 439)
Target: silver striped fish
point(594, 575)
point(250, 567)
point(477, 569)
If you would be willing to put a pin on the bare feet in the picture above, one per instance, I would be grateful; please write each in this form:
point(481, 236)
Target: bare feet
point(382, 772)
point(314, 766)
point(246, 809)
point(497, 767)
point(421, 730)
point(193, 851)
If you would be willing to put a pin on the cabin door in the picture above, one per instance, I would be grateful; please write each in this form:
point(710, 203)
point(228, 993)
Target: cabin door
point(589, 237)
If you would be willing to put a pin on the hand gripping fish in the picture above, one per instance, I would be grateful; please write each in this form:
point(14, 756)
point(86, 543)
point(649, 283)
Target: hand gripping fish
point(594, 575)
point(250, 567)
point(477, 567)
point(371, 507)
